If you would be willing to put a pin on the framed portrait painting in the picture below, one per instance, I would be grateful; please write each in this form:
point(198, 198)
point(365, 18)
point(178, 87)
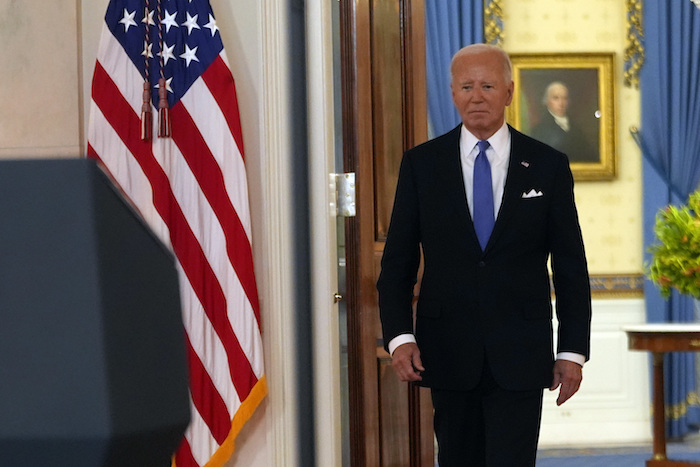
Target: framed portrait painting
point(567, 101)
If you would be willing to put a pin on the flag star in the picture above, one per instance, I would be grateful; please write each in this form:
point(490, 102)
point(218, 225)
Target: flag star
point(147, 50)
point(212, 25)
point(128, 20)
point(167, 53)
point(148, 18)
point(190, 54)
point(191, 23)
point(167, 85)
point(169, 21)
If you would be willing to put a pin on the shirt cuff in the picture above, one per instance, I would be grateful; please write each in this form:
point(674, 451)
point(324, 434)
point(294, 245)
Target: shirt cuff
point(400, 340)
point(572, 357)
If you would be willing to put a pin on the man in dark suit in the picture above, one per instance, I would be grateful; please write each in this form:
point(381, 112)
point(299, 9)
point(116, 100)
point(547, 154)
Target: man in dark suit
point(482, 339)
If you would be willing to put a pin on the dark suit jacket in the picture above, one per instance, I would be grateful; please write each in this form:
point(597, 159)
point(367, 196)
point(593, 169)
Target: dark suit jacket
point(494, 304)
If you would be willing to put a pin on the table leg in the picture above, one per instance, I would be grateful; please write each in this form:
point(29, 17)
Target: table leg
point(659, 408)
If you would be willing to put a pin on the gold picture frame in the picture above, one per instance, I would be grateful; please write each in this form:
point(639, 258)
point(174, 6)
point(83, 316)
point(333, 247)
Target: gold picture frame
point(589, 139)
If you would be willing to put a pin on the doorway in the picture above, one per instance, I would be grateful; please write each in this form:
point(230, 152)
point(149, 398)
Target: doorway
point(382, 107)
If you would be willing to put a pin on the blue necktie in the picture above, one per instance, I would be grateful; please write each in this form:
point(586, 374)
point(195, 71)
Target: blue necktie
point(483, 196)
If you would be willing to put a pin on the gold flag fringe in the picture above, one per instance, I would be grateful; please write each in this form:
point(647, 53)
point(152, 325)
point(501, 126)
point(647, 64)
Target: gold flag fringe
point(245, 411)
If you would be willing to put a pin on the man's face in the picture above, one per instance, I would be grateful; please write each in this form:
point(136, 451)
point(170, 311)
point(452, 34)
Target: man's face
point(480, 92)
point(558, 100)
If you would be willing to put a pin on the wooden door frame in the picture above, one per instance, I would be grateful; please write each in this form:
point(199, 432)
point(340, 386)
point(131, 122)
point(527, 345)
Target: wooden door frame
point(355, 32)
point(357, 144)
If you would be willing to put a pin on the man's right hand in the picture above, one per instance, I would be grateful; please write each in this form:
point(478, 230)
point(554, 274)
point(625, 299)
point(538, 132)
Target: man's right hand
point(406, 362)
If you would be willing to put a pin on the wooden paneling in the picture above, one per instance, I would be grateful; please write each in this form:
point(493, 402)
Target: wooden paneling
point(394, 415)
point(384, 113)
point(387, 108)
point(361, 300)
point(399, 115)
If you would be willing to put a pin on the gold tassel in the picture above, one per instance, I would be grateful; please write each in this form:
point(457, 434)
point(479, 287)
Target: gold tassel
point(163, 111)
point(146, 115)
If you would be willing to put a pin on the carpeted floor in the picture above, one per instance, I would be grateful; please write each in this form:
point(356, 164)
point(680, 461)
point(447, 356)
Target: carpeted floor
point(633, 456)
point(619, 456)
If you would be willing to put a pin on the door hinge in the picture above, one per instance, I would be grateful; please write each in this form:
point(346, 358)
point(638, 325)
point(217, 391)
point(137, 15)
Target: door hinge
point(344, 191)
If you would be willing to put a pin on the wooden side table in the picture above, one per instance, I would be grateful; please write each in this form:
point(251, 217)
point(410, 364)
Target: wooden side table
point(660, 339)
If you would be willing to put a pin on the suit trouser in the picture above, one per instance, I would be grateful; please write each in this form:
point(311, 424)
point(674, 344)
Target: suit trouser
point(487, 426)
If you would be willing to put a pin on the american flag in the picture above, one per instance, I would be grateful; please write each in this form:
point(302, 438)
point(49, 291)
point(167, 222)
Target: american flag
point(181, 164)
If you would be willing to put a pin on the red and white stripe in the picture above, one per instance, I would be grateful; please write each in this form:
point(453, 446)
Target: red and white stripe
point(192, 191)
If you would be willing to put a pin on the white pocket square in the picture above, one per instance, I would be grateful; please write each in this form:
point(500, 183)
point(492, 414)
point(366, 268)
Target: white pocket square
point(532, 194)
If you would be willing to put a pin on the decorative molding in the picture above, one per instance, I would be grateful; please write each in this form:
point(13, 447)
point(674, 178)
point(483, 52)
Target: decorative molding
point(324, 247)
point(634, 50)
point(617, 285)
point(493, 22)
point(276, 271)
point(604, 286)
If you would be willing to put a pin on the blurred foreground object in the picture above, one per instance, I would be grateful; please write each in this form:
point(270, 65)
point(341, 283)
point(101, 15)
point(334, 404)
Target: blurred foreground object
point(92, 353)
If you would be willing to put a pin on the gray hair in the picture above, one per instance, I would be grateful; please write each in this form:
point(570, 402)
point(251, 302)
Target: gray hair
point(480, 48)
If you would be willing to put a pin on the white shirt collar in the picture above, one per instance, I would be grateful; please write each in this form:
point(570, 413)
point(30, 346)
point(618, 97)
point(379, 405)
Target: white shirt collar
point(499, 142)
point(499, 156)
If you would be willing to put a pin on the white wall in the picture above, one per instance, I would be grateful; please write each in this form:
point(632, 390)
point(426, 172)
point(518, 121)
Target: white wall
point(613, 404)
point(38, 80)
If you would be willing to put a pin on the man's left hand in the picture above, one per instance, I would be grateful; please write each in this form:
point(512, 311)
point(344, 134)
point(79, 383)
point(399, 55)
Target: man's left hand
point(568, 375)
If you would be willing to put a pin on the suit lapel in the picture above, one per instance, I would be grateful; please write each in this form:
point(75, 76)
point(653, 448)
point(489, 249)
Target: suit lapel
point(516, 179)
point(451, 179)
point(451, 182)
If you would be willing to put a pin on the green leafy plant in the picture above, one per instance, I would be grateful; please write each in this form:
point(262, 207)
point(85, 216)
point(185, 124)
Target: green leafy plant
point(676, 259)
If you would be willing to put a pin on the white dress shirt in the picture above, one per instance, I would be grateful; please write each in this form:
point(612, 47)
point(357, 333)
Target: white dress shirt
point(498, 154)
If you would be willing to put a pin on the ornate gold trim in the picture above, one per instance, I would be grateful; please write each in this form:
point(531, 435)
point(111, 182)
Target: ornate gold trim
point(555, 63)
point(680, 410)
point(493, 22)
point(634, 51)
point(617, 285)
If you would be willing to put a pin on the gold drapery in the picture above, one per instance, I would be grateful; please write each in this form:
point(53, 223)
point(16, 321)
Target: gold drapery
point(634, 50)
point(493, 22)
